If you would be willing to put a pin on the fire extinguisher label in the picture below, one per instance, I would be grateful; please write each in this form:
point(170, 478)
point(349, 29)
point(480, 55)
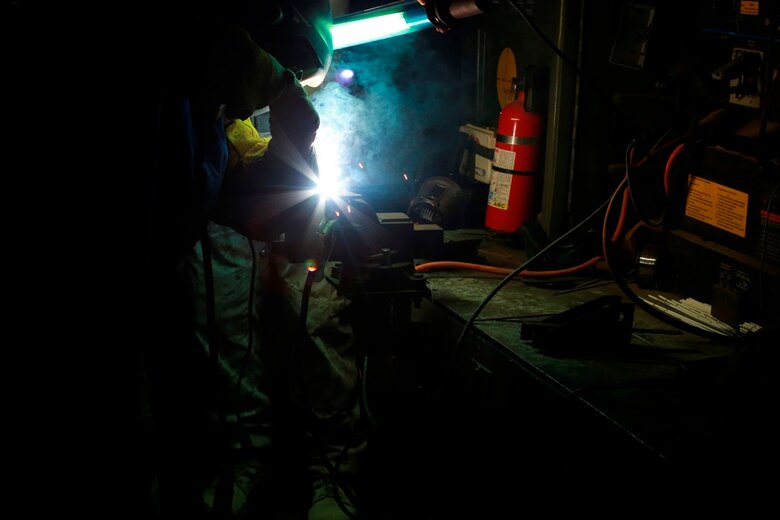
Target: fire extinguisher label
point(504, 158)
point(500, 185)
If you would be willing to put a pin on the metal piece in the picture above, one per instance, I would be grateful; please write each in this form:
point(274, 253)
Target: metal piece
point(601, 324)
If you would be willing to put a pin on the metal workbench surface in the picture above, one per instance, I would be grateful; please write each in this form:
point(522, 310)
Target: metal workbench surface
point(668, 399)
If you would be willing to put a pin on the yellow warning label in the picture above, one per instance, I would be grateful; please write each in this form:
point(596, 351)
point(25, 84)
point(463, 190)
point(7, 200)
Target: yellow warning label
point(748, 7)
point(717, 205)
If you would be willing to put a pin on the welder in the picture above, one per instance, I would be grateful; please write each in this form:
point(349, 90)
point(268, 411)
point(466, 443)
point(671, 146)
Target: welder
point(234, 369)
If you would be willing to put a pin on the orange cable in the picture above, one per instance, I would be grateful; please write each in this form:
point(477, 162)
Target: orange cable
point(668, 169)
point(444, 264)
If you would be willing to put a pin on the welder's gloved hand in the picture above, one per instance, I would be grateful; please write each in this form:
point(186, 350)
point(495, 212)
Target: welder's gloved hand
point(294, 123)
point(269, 183)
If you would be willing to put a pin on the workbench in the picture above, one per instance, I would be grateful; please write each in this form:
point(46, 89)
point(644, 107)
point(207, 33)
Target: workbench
point(666, 411)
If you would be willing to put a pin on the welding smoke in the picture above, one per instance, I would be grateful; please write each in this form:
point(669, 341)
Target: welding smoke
point(399, 116)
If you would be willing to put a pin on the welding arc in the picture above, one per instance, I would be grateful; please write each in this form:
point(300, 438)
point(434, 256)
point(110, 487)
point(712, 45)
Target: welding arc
point(436, 265)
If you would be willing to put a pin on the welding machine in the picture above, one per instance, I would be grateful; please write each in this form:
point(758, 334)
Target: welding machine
point(724, 246)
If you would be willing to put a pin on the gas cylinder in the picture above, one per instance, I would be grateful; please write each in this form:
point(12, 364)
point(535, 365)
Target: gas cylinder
point(511, 198)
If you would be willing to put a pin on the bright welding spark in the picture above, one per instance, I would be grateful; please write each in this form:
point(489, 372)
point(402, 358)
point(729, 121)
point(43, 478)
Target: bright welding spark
point(329, 188)
point(332, 180)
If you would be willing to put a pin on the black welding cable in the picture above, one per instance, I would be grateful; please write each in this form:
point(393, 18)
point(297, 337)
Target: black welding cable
point(517, 5)
point(224, 493)
point(302, 333)
point(334, 470)
point(311, 274)
point(250, 315)
point(364, 395)
point(634, 297)
point(470, 322)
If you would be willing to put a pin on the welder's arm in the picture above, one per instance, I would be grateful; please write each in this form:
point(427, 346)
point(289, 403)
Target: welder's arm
point(294, 121)
point(273, 194)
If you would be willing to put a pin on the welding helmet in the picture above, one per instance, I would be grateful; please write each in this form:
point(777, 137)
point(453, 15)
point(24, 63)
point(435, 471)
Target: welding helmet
point(295, 32)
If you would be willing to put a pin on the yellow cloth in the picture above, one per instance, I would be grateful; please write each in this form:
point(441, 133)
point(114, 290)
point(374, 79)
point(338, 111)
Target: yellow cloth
point(245, 143)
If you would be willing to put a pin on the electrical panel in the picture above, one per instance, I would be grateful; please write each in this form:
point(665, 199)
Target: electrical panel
point(738, 33)
point(745, 89)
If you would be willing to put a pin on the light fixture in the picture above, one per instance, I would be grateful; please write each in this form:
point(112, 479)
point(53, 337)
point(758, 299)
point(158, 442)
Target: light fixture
point(377, 24)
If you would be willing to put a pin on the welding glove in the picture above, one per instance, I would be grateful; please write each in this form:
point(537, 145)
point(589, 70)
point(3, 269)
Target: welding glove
point(294, 123)
point(245, 145)
point(272, 195)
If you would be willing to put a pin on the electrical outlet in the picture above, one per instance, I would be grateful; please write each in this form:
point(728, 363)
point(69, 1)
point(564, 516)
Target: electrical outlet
point(745, 89)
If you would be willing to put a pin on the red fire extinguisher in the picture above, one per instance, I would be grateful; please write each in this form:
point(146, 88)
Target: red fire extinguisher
point(511, 198)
